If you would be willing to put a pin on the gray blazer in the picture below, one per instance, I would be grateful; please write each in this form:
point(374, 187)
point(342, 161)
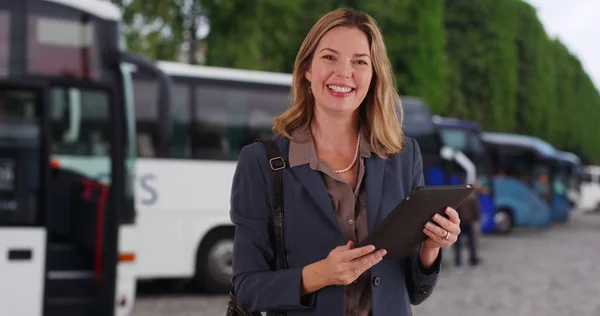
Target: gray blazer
point(311, 232)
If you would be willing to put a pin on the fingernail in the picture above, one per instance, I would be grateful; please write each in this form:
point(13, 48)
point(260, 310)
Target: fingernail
point(384, 252)
point(438, 216)
point(372, 248)
point(429, 225)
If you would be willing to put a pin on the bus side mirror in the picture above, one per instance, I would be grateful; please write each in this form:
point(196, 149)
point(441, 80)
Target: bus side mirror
point(462, 160)
point(74, 106)
point(447, 153)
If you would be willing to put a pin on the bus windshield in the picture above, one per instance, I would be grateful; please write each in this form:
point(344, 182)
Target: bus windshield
point(81, 126)
point(562, 174)
point(465, 140)
point(20, 151)
point(469, 142)
point(455, 138)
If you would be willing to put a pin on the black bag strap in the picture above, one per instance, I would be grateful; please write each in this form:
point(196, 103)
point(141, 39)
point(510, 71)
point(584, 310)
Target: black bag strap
point(277, 164)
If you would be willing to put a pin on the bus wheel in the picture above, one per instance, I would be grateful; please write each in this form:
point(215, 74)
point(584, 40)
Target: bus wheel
point(214, 262)
point(504, 221)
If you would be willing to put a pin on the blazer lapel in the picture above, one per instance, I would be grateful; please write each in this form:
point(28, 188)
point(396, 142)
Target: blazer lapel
point(313, 183)
point(374, 168)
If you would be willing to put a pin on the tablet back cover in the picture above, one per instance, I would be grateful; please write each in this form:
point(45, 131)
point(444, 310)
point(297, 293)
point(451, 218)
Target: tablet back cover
point(402, 230)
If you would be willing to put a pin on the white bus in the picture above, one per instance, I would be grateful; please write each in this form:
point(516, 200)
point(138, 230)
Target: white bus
point(183, 223)
point(589, 197)
point(67, 133)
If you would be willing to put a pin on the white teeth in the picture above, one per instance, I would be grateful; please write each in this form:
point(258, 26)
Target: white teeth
point(340, 89)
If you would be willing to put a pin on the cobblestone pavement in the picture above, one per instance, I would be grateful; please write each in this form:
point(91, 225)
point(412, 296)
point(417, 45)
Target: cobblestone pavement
point(555, 272)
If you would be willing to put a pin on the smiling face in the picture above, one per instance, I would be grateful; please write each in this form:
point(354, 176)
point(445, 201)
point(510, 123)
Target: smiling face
point(340, 72)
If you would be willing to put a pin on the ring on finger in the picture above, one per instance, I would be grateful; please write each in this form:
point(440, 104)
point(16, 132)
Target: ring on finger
point(447, 235)
point(355, 273)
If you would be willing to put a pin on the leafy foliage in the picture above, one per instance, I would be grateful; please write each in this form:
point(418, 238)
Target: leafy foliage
point(488, 61)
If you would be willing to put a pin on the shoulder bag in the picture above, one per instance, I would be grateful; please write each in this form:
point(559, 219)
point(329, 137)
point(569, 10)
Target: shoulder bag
point(277, 164)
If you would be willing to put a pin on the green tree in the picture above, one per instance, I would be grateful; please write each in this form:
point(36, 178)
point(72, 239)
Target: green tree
point(153, 28)
point(254, 34)
point(536, 94)
point(488, 61)
point(415, 40)
point(481, 50)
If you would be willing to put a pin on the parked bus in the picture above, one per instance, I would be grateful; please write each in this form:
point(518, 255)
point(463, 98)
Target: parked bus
point(66, 134)
point(589, 199)
point(465, 136)
point(523, 174)
point(183, 224)
point(442, 165)
point(183, 209)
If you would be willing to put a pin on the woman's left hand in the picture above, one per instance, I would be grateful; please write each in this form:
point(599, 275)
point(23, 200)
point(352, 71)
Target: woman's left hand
point(445, 233)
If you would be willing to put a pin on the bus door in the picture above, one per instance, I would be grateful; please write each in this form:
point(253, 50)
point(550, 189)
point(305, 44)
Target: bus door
point(22, 202)
point(513, 186)
point(86, 129)
point(541, 179)
point(538, 174)
point(560, 185)
point(58, 226)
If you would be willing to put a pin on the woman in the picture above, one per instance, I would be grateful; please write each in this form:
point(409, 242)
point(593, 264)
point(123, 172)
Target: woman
point(348, 165)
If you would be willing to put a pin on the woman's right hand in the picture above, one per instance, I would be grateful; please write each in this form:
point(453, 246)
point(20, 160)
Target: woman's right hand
point(345, 264)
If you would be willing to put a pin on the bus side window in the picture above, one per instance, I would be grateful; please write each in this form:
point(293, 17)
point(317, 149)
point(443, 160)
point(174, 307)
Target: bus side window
point(267, 103)
point(210, 133)
point(146, 116)
point(20, 141)
point(180, 111)
point(230, 115)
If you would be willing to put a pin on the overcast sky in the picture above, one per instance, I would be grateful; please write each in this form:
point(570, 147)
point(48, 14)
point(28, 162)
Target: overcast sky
point(577, 24)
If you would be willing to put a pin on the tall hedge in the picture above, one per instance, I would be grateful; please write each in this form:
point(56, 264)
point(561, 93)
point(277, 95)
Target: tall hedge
point(486, 60)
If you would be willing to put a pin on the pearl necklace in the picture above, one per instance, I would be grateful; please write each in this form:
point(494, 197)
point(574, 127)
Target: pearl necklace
point(353, 161)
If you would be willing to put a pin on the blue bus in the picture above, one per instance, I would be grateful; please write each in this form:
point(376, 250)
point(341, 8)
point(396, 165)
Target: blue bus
point(464, 135)
point(523, 167)
point(418, 123)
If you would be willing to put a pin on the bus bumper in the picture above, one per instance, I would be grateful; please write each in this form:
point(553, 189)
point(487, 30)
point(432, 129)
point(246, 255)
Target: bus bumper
point(126, 277)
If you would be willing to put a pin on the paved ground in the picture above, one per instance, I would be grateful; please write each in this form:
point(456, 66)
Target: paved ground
point(548, 273)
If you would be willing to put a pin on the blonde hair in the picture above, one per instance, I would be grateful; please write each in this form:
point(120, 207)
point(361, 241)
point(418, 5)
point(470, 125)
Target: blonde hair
point(380, 113)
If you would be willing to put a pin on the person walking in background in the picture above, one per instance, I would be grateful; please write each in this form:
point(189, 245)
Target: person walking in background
point(469, 214)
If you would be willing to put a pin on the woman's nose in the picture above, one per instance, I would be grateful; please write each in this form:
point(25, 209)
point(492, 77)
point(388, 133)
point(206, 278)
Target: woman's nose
point(343, 70)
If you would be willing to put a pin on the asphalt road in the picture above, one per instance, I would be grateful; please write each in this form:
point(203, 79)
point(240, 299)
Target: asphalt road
point(553, 272)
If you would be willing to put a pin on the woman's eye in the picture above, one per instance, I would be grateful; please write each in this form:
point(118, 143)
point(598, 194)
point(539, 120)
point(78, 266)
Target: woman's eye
point(328, 57)
point(361, 62)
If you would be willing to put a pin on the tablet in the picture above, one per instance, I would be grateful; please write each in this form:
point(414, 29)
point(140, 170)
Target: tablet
point(402, 230)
